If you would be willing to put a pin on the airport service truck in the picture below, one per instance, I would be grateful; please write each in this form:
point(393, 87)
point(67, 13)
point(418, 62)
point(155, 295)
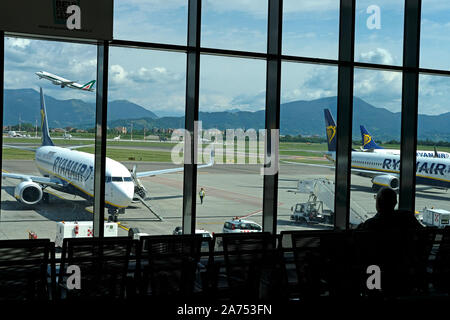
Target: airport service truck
point(311, 212)
point(435, 217)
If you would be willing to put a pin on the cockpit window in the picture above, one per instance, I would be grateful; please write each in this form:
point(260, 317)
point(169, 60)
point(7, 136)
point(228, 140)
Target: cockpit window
point(107, 179)
point(117, 179)
point(127, 179)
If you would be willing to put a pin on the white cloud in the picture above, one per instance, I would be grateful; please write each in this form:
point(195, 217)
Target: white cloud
point(17, 42)
point(378, 56)
point(118, 75)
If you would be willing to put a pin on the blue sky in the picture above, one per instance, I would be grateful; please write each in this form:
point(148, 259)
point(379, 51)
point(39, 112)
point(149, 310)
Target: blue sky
point(156, 79)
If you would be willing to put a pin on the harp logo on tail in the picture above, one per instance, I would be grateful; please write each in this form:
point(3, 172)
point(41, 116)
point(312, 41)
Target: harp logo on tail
point(331, 132)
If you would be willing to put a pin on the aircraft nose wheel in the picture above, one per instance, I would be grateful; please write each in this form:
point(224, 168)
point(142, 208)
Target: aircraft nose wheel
point(113, 215)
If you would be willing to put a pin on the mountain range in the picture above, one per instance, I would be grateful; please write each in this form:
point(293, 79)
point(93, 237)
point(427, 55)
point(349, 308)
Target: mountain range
point(296, 117)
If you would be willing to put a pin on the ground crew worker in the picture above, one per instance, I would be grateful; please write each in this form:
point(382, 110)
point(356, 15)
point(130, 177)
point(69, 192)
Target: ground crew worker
point(202, 194)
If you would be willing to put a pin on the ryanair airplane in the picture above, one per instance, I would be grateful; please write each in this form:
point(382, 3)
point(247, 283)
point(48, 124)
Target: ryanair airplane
point(60, 81)
point(369, 145)
point(383, 168)
point(72, 171)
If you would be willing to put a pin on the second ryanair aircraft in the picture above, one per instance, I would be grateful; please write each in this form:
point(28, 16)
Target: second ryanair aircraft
point(369, 145)
point(384, 168)
point(72, 171)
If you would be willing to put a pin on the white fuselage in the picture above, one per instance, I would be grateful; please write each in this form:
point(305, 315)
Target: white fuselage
point(58, 80)
point(429, 171)
point(77, 170)
point(419, 153)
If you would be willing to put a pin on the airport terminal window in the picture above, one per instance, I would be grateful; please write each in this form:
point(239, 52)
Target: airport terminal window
point(311, 28)
point(435, 35)
point(146, 107)
point(36, 207)
point(379, 31)
point(231, 120)
point(232, 95)
point(151, 21)
point(305, 183)
point(433, 152)
point(376, 138)
point(235, 25)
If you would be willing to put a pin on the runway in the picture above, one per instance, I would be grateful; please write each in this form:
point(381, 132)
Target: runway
point(231, 190)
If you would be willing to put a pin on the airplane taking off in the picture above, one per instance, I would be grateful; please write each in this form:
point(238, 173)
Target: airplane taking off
point(71, 171)
point(59, 81)
point(369, 145)
point(383, 168)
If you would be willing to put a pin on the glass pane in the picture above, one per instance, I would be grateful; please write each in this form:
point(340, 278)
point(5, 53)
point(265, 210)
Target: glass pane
point(435, 34)
point(61, 186)
point(379, 31)
point(146, 103)
point(235, 25)
point(376, 139)
point(433, 151)
point(311, 28)
point(232, 102)
point(306, 177)
point(151, 21)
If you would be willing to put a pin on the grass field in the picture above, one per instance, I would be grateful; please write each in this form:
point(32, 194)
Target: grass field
point(161, 152)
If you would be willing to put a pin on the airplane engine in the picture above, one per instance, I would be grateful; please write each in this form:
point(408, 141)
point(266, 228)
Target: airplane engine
point(385, 180)
point(28, 192)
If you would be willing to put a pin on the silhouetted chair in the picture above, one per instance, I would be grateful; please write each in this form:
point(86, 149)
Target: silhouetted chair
point(323, 263)
point(103, 265)
point(167, 265)
point(24, 268)
point(440, 266)
point(401, 255)
point(242, 265)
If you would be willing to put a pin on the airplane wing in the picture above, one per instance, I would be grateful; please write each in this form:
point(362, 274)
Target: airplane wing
point(52, 182)
point(34, 150)
point(19, 147)
point(172, 170)
point(80, 146)
point(68, 82)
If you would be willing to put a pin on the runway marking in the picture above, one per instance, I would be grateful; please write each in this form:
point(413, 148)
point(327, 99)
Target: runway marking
point(251, 214)
point(219, 193)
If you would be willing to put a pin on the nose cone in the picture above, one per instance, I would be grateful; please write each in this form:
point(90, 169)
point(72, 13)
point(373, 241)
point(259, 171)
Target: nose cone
point(123, 194)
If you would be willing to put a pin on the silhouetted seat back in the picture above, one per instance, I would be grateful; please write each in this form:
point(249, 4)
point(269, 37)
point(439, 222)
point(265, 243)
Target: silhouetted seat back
point(401, 256)
point(168, 264)
point(322, 260)
point(103, 265)
point(23, 269)
point(248, 258)
point(441, 264)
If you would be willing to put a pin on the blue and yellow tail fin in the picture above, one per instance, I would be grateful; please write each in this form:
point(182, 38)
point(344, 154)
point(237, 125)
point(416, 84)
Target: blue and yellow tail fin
point(367, 139)
point(46, 140)
point(331, 130)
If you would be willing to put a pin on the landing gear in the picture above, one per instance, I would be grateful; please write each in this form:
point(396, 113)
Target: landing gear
point(114, 213)
point(45, 198)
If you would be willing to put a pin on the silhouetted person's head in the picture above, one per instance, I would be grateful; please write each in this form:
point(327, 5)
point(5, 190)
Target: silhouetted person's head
point(386, 200)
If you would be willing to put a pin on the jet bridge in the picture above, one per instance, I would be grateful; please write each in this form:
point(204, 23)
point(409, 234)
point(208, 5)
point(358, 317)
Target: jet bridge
point(323, 189)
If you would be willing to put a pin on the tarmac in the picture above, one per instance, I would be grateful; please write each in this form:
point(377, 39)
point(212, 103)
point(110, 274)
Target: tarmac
point(231, 191)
